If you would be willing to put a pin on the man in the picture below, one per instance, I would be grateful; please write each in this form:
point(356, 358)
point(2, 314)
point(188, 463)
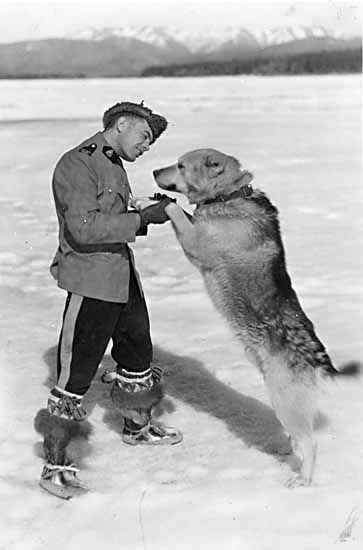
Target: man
point(105, 299)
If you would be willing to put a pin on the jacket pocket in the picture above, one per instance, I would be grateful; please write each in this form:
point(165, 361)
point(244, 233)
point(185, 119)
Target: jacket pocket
point(112, 196)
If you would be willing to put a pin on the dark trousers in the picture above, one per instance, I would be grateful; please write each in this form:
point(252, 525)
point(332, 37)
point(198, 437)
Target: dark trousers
point(88, 326)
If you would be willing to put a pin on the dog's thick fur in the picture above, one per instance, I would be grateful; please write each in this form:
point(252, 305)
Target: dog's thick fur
point(235, 242)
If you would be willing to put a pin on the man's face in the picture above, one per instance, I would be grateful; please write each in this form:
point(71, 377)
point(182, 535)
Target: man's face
point(133, 138)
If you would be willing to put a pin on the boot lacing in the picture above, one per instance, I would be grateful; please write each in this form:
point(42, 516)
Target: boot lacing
point(68, 468)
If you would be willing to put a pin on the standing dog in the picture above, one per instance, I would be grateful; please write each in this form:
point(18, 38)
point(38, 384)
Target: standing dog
point(234, 239)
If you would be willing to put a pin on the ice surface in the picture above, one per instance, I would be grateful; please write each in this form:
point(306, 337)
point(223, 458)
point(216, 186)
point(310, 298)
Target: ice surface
point(222, 487)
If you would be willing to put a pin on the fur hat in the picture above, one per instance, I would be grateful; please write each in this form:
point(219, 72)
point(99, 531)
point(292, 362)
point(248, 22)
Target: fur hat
point(156, 122)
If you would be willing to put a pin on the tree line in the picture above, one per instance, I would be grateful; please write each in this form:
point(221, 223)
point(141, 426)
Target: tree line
point(339, 61)
point(325, 62)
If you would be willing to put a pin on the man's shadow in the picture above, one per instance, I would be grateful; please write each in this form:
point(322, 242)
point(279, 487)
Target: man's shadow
point(188, 380)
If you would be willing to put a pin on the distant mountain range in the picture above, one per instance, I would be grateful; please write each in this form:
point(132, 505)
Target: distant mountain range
point(128, 51)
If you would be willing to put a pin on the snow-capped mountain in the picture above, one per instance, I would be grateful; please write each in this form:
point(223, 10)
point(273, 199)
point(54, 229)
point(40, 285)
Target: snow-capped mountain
point(156, 36)
point(211, 39)
point(128, 50)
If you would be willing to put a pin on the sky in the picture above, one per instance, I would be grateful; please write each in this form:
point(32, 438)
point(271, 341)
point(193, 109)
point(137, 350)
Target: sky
point(34, 19)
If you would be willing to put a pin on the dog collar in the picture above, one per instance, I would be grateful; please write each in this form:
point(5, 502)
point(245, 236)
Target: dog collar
point(245, 191)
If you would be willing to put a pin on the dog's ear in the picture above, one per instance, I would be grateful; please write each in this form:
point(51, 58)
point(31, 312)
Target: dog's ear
point(214, 165)
point(246, 177)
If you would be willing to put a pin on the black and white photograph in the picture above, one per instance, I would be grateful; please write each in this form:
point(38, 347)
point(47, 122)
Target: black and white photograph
point(181, 275)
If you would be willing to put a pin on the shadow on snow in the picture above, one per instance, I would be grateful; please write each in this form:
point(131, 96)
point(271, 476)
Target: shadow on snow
point(188, 380)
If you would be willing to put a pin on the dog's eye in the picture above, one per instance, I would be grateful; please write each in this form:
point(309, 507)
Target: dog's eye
point(210, 161)
point(180, 166)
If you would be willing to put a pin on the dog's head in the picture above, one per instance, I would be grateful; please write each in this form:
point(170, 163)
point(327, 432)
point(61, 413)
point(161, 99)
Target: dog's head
point(202, 175)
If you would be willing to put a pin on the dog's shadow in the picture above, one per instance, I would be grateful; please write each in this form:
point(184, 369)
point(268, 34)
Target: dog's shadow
point(188, 380)
point(246, 417)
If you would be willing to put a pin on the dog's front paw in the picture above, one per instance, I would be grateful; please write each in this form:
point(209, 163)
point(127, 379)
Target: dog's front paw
point(178, 216)
point(172, 208)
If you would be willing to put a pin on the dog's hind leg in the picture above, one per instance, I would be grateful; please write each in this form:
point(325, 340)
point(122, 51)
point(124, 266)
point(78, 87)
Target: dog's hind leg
point(293, 396)
point(304, 446)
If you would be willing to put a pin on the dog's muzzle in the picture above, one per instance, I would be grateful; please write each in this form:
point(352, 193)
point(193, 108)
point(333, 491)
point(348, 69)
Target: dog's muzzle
point(160, 175)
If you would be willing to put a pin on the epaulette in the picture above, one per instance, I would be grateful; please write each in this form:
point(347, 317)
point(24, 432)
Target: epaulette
point(88, 149)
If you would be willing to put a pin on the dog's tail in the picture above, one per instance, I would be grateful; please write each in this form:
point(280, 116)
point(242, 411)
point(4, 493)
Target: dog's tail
point(324, 364)
point(350, 369)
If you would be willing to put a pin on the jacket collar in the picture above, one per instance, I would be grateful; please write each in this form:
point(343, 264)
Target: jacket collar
point(111, 154)
point(107, 150)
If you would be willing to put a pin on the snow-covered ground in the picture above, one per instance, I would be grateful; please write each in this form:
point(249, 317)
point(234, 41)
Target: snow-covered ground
point(223, 486)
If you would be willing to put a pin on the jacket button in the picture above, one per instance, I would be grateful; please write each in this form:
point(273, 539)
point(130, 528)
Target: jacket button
point(84, 221)
point(109, 190)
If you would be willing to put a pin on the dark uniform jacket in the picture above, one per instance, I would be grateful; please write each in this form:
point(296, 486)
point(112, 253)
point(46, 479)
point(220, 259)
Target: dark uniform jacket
point(91, 193)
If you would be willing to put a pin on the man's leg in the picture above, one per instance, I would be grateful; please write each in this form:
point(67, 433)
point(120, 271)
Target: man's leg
point(86, 330)
point(138, 387)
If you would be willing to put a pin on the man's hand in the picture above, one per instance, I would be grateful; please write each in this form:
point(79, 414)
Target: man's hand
point(155, 213)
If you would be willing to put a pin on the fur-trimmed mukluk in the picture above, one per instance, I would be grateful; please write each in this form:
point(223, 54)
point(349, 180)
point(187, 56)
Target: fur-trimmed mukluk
point(135, 395)
point(59, 475)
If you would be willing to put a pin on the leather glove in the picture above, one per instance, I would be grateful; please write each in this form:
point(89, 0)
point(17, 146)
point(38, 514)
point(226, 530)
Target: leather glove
point(155, 213)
